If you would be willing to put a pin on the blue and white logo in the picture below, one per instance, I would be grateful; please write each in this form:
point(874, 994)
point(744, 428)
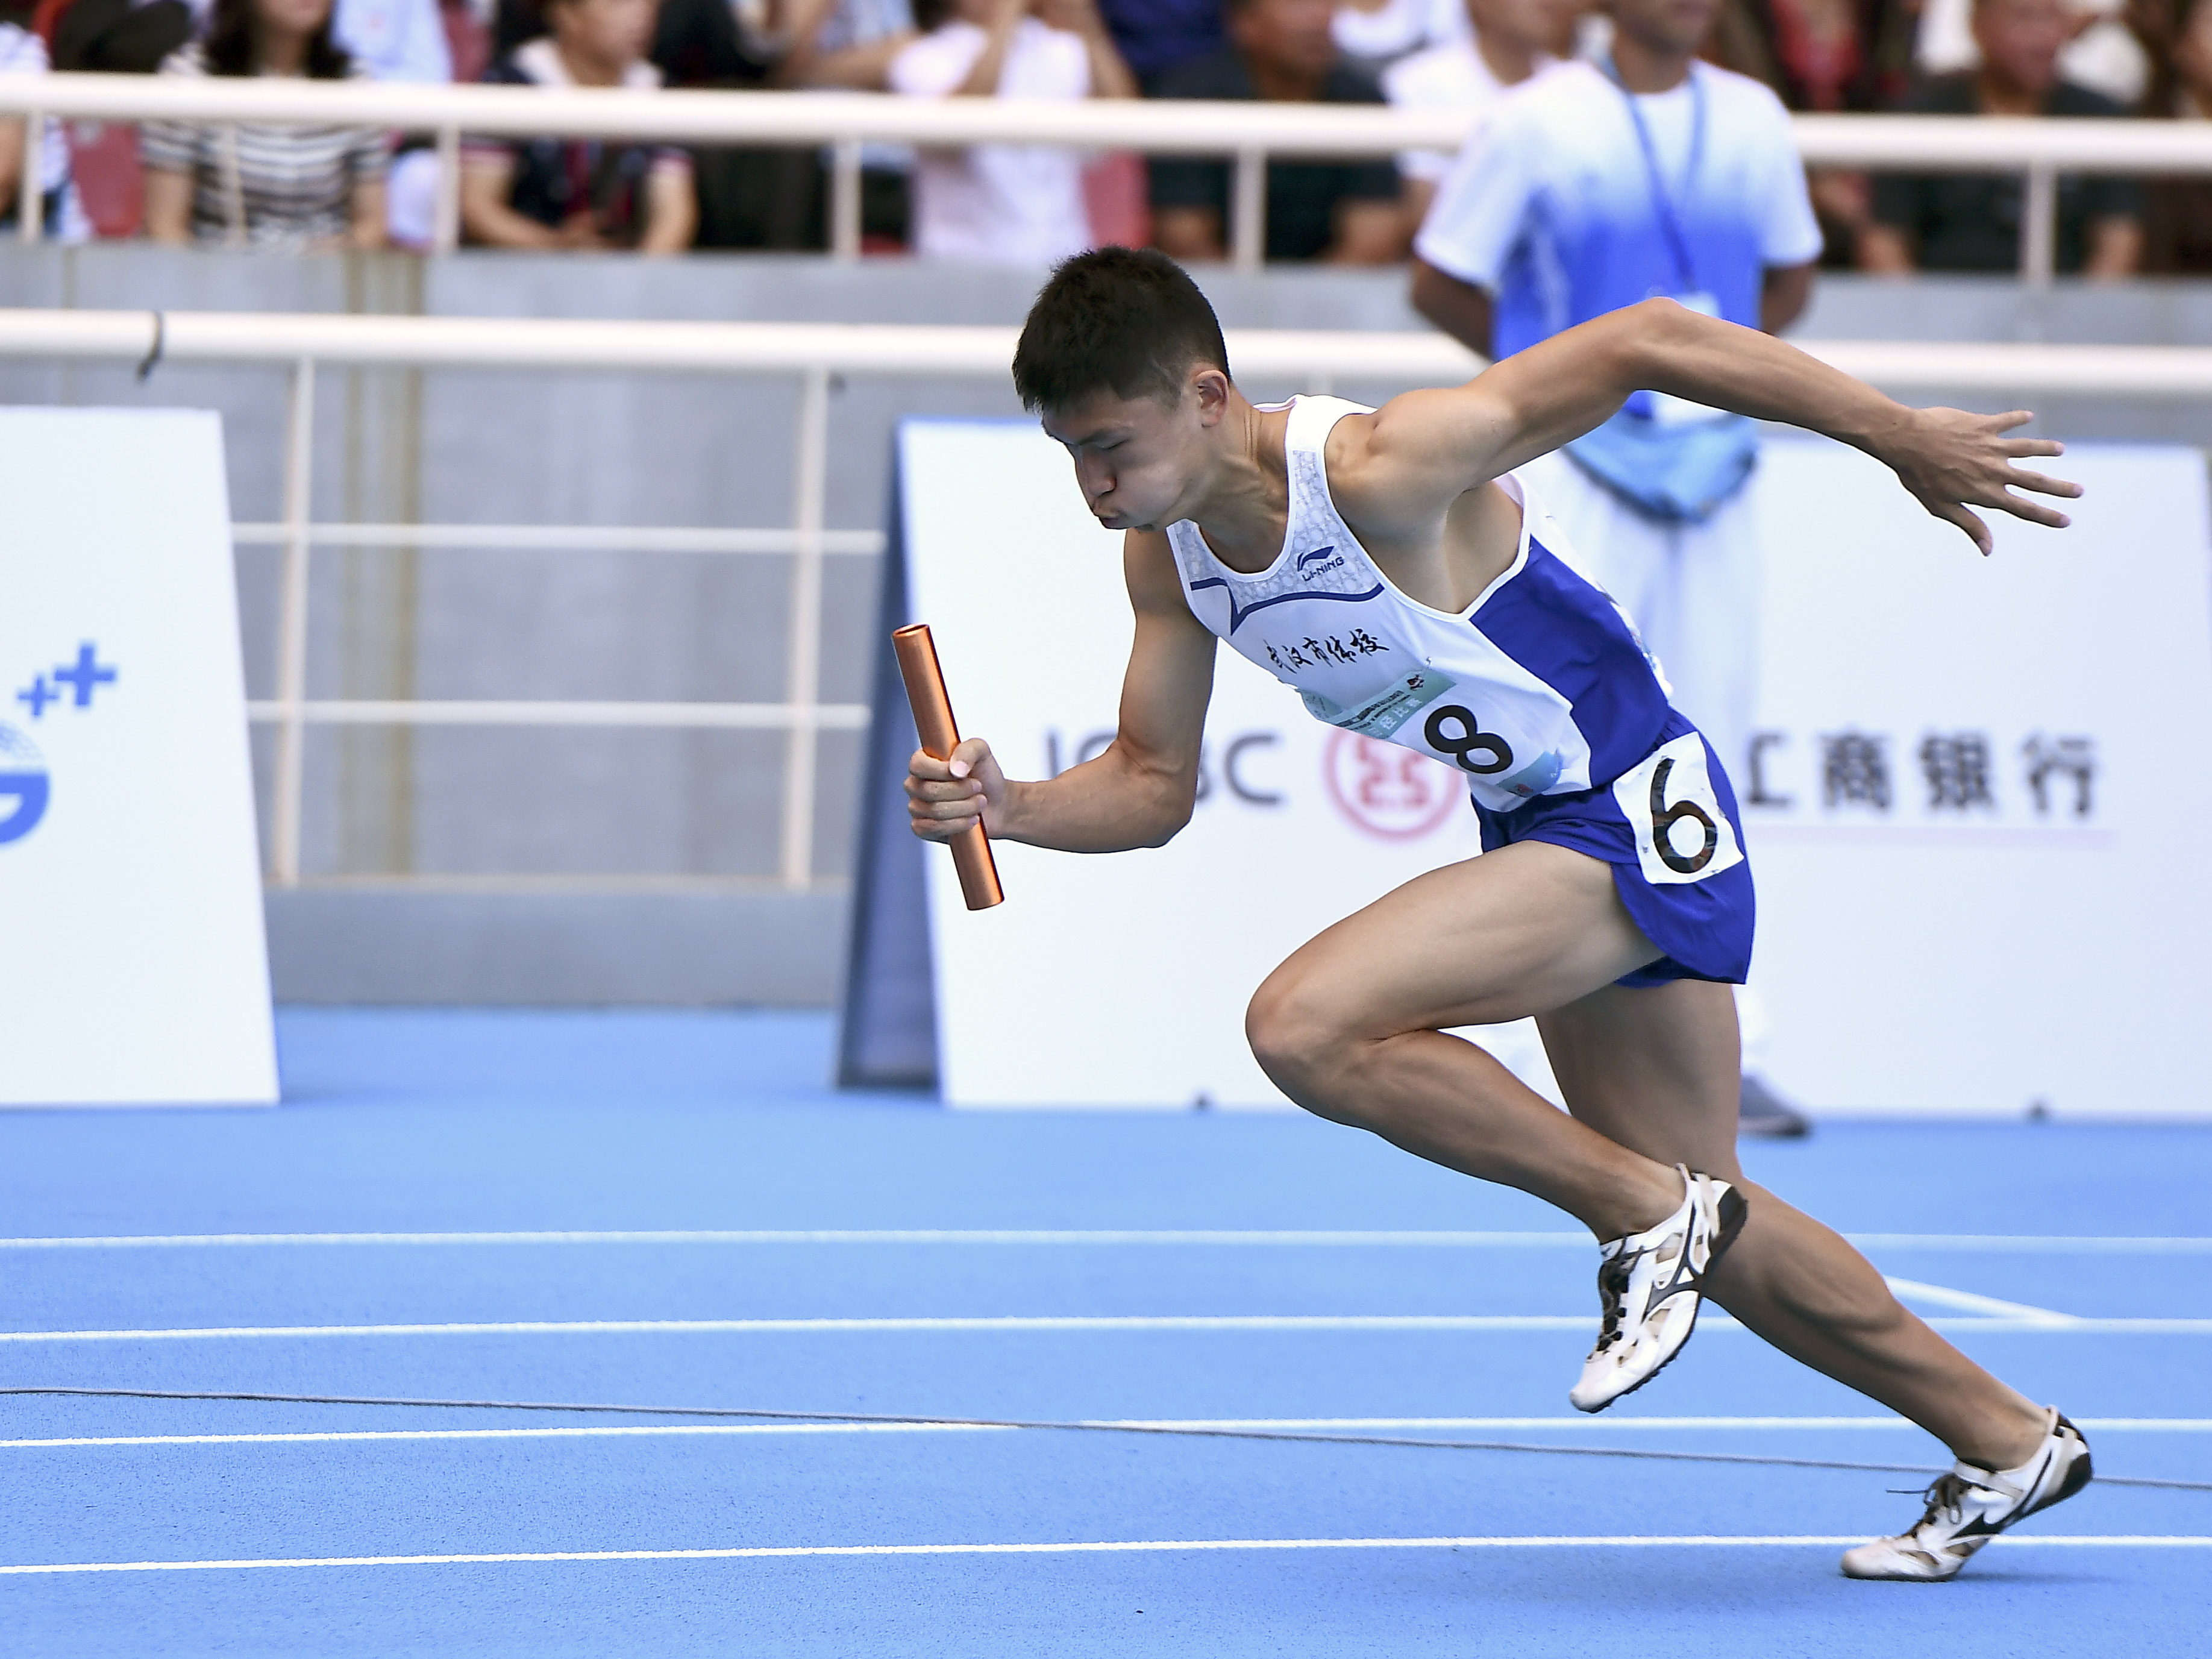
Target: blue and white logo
point(24, 786)
point(1328, 558)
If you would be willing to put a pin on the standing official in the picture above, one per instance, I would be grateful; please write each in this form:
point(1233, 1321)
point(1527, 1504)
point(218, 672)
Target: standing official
point(1596, 186)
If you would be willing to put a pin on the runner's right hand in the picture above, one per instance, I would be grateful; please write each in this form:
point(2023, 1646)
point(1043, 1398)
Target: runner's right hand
point(946, 797)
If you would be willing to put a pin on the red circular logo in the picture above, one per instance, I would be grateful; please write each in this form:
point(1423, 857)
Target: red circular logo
point(1391, 793)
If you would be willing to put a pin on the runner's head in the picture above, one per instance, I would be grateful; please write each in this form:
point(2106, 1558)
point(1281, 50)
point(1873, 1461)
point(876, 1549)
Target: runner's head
point(1123, 358)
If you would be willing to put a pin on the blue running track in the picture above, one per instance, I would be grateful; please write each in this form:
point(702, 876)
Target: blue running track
point(674, 1210)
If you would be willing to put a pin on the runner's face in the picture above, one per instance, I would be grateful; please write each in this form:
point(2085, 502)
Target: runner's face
point(1134, 456)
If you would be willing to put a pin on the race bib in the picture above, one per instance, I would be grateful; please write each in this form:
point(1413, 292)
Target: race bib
point(1382, 714)
point(1681, 834)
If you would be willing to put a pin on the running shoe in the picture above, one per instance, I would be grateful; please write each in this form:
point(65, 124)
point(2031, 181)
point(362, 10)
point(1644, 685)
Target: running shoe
point(1650, 1283)
point(1971, 1505)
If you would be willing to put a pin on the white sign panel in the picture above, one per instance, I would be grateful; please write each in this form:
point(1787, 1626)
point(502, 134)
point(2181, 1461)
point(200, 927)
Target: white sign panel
point(136, 970)
point(1981, 792)
point(1946, 926)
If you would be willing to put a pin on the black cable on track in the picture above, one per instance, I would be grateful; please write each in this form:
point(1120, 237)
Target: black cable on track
point(1308, 1436)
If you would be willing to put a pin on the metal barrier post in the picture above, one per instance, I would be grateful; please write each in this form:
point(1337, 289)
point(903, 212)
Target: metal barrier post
point(292, 629)
point(30, 199)
point(803, 650)
point(2039, 235)
point(1247, 203)
point(445, 228)
point(234, 189)
point(845, 200)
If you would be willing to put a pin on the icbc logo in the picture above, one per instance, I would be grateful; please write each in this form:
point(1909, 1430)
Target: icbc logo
point(1391, 793)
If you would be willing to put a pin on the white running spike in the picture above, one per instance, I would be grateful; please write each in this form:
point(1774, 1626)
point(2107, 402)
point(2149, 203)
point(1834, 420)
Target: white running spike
point(1649, 1285)
point(1971, 1505)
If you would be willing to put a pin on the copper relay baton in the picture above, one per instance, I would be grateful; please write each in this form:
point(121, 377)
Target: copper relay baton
point(940, 736)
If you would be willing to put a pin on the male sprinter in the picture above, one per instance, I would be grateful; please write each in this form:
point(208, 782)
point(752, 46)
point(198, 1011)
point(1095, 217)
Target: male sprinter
point(1612, 901)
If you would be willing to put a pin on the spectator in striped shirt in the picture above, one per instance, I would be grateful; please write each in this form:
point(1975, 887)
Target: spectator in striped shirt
point(281, 186)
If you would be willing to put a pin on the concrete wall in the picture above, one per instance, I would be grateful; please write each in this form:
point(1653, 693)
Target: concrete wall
point(622, 867)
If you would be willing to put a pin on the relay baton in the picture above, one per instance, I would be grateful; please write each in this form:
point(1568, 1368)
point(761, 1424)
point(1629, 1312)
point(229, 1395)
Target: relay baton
point(940, 736)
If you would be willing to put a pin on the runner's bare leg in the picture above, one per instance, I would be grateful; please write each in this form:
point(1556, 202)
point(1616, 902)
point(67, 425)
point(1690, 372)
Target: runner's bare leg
point(1655, 1070)
point(1349, 1027)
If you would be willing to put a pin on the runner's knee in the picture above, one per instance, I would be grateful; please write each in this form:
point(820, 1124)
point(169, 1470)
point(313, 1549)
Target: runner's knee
point(1297, 1038)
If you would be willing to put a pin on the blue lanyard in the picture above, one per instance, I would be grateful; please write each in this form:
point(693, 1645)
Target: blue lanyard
point(1662, 202)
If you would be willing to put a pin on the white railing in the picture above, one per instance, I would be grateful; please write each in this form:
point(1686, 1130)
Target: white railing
point(814, 352)
point(1247, 133)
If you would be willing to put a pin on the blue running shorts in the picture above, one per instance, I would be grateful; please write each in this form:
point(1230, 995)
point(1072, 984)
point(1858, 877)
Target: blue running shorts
point(1670, 828)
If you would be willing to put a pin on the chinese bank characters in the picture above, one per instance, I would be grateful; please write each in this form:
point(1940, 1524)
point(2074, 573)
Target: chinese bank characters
point(1932, 777)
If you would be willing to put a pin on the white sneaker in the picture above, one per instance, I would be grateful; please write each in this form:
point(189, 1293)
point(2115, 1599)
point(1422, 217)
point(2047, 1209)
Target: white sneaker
point(1969, 1506)
point(1651, 1284)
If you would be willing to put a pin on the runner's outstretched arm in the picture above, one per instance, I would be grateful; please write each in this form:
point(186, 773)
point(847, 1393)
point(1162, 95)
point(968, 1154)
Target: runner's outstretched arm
point(1422, 449)
point(1140, 792)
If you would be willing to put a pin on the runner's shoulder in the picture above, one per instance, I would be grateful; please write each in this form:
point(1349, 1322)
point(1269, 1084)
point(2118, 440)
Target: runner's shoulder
point(1405, 462)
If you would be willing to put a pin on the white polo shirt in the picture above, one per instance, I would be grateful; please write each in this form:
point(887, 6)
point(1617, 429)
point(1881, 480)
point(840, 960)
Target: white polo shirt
point(1452, 76)
point(1553, 208)
point(1395, 27)
point(998, 203)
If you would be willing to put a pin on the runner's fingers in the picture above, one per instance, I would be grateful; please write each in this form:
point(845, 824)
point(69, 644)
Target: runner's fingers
point(2034, 512)
point(969, 757)
point(930, 828)
point(1956, 512)
point(921, 764)
point(2019, 478)
point(945, 791)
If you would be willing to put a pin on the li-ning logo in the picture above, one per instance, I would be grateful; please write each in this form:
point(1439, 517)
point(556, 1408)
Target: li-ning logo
point(1319, 562)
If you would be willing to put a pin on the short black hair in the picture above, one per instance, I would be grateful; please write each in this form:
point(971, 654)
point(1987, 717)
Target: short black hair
point(1126, 319)
point(231, 47)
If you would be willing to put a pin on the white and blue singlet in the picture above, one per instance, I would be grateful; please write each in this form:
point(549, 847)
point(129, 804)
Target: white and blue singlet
point(1539, 694)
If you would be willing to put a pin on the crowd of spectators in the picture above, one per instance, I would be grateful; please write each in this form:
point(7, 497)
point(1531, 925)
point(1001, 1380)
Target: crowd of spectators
point(2072, 59)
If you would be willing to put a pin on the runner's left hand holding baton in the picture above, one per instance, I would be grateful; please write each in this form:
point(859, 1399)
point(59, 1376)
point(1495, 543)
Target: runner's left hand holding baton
point(953, 788)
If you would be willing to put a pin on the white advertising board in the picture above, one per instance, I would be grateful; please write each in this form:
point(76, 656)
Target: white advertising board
point(1932, 940)
point(135, 971)
point(1985, 783)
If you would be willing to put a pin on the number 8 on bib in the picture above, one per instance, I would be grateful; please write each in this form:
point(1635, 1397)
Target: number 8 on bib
point(1681, 833)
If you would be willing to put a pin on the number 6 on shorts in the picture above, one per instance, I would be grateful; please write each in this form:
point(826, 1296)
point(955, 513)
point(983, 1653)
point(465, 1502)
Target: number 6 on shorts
point(1681, 833)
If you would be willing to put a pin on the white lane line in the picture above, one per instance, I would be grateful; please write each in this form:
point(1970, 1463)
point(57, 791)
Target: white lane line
point(1968, 1302)
point(2161, 1424)
point(1050, 1322)
point(835, 1236)
point(2030, 1243)
point(1169, 1545)
point(623, 1431)
point(768, 1327)
point(2034, 1244)
point(1029, 1323)
point(2100, 1424)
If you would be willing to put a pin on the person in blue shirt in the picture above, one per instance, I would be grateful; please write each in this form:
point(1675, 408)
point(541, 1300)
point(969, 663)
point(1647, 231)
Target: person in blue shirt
point(1154, 36)
point(1597, 186)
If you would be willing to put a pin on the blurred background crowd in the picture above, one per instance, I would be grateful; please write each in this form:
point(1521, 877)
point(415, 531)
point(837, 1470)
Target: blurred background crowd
point(1027, 205)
